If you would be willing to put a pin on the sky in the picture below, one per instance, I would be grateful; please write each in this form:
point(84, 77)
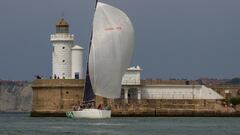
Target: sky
point(183, 39)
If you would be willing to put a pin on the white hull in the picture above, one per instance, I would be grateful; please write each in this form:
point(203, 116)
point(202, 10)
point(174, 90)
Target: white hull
point(90, 113)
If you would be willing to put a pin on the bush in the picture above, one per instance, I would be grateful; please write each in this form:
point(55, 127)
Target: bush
point(235, 101)
point(234, 81)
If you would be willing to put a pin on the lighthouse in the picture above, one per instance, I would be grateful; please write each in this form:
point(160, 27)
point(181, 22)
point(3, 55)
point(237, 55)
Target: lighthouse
point(62, 43)
point(67, 58)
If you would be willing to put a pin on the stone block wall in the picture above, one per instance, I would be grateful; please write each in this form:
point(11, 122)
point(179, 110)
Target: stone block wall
point(55, 96)
point(162, 107)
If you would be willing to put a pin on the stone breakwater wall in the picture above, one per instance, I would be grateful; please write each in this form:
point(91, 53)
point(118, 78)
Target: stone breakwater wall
point(160, 108)
point(181, 108)
point(55, 97)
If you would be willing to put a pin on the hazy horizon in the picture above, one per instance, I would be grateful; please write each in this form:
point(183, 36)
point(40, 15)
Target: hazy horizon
point(174, 39)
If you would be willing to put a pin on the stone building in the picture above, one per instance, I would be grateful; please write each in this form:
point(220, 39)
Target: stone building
point(135, 88)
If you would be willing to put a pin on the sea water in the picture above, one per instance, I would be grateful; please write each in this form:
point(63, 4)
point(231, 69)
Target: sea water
point(23, 124)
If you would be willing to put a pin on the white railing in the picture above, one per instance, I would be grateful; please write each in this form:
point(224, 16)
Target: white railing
point(56, 37)
point(131, 82)
point(169, 96)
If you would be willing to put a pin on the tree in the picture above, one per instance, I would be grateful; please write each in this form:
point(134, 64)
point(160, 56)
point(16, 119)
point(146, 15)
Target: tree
point(235, 80)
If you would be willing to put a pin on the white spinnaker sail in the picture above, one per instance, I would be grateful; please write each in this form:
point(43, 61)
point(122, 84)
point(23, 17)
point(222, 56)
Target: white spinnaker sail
point(111, 50)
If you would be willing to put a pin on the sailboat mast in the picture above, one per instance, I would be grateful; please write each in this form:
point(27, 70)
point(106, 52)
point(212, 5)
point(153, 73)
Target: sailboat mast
point(88, 90)
point(92, 32)
point(96, 4)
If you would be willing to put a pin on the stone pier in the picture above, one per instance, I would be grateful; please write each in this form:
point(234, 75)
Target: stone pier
point(54, 97)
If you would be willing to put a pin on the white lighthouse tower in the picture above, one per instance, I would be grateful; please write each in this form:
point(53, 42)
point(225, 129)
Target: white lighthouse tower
point(62, 43)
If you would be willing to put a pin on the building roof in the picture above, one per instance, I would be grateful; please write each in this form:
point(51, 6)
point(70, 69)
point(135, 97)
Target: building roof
point(137, 68)
point(77, 47)
point(168, 82)
point(62, 23)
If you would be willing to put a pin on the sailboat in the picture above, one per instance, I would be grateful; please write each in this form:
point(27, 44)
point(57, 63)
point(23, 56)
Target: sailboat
point(110, 52)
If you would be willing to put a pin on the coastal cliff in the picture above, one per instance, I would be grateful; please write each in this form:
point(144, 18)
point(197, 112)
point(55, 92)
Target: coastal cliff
point(15, 96)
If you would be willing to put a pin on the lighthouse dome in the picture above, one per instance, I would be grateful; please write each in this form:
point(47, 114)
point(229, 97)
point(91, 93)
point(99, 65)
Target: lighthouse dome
point(62, 23)
point(62, 26)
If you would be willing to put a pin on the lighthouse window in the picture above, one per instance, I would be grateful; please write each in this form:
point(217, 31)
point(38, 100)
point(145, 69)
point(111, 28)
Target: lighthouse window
point(63, 60)
point(63, 47)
